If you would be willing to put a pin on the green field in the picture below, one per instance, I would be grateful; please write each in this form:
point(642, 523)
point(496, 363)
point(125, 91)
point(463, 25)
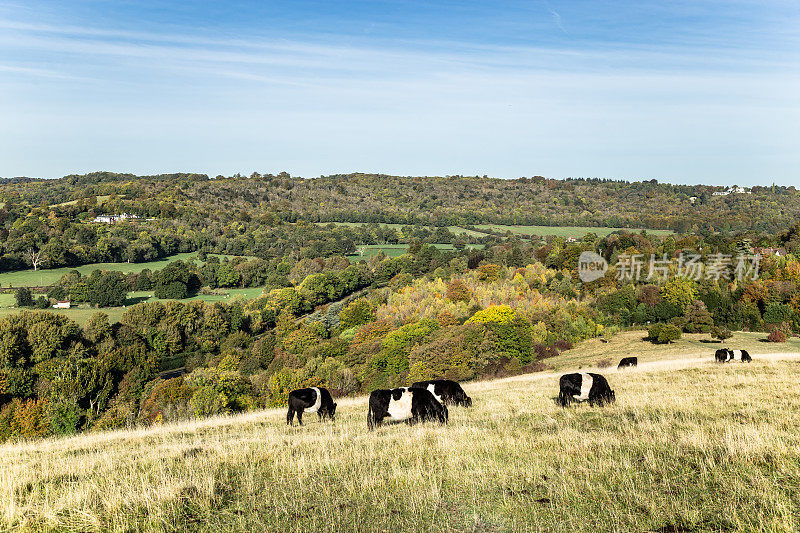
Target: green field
point(100, 199)
point(558, 231)
point(46, 277)
point(694, 447)
point(393, 250)
point(457, 230)
point(566, 231)
point(82, 312)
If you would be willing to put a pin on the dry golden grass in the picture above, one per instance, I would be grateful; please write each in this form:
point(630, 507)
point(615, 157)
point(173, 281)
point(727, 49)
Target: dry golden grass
point(689, 446)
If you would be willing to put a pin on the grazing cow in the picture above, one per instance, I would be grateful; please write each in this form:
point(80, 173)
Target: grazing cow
point(311, 400)
point(410, 404)
point(628, 361)
point(583, 386)
point(446, 391)
point(724, 356)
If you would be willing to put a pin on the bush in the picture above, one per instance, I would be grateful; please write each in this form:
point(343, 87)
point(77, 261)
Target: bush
point(42, 302)
point(653, 332)
point(668, 333)
point(167, 401)
point(779, 332)
point(24, 297)
point(64, 417)
point(721, 332)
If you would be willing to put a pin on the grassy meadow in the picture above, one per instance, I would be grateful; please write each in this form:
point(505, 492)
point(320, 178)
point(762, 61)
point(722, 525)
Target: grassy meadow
point(598, 354)
point(81, 313)
point(564, 231)
point(392, 250)
point(45, 277)
point(695, 446)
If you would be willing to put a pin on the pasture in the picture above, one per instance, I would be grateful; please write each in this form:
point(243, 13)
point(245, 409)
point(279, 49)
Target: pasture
point(598, 354)
point(564, 231)
point(100, 200)
point(693, 447)
point(82, 312)
point(392, 250)
point(45, 277)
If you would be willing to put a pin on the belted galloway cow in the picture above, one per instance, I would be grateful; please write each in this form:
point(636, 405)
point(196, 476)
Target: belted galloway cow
point(584, 386)
point(411, 405)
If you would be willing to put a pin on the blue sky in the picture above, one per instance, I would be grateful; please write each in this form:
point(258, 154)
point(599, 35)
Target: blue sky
point(685, 92)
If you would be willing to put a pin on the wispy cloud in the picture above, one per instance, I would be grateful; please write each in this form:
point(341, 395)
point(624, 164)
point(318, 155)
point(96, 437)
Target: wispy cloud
point(320, 101)
point(556, 16)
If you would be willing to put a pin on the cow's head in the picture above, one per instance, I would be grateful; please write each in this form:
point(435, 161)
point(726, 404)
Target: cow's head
point(333, 411)
point(613, 397)
point(467, 401)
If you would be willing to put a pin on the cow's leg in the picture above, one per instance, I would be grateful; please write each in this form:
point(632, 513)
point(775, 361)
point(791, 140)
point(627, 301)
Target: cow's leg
point(290, 416)
point(300, 416)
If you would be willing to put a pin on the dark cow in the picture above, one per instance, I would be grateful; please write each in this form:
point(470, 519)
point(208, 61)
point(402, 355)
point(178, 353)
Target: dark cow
point(723, 356)
point(311, 400)
point(583, 386)
point(627, 362)
point(446, 391)
point(409, 404)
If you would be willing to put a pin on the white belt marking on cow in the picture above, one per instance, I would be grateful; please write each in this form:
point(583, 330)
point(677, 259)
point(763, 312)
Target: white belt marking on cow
point(430, 388)
point(401, 409)
point(586, 386)
point(314, 408)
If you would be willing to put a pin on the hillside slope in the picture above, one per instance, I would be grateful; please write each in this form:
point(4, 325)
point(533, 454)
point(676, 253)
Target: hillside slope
point(702, 448)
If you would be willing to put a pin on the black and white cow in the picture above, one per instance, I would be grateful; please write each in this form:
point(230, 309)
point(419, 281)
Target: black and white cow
point(723, 356)
point(628, 362)
point(446, 391)
point(411, 405)
point(311, 400)
point(580, 387)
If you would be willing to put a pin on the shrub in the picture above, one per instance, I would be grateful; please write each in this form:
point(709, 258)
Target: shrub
point(668, 333)
point(779, 332)
point(207, 401)
point(653, 331)
point(721, 332)
point(168, 400)
point(64, 417)
point(604, 363)
point(41, 302)
point(23, 297)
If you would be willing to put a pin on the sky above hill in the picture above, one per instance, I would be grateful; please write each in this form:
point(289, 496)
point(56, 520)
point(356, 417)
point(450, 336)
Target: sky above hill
point(681, 91)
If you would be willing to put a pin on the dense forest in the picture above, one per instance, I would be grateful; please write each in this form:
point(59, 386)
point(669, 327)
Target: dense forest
point(487, 305)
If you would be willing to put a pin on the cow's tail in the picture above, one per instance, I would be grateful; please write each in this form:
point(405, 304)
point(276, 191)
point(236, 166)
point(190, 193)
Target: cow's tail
point(370, 424)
